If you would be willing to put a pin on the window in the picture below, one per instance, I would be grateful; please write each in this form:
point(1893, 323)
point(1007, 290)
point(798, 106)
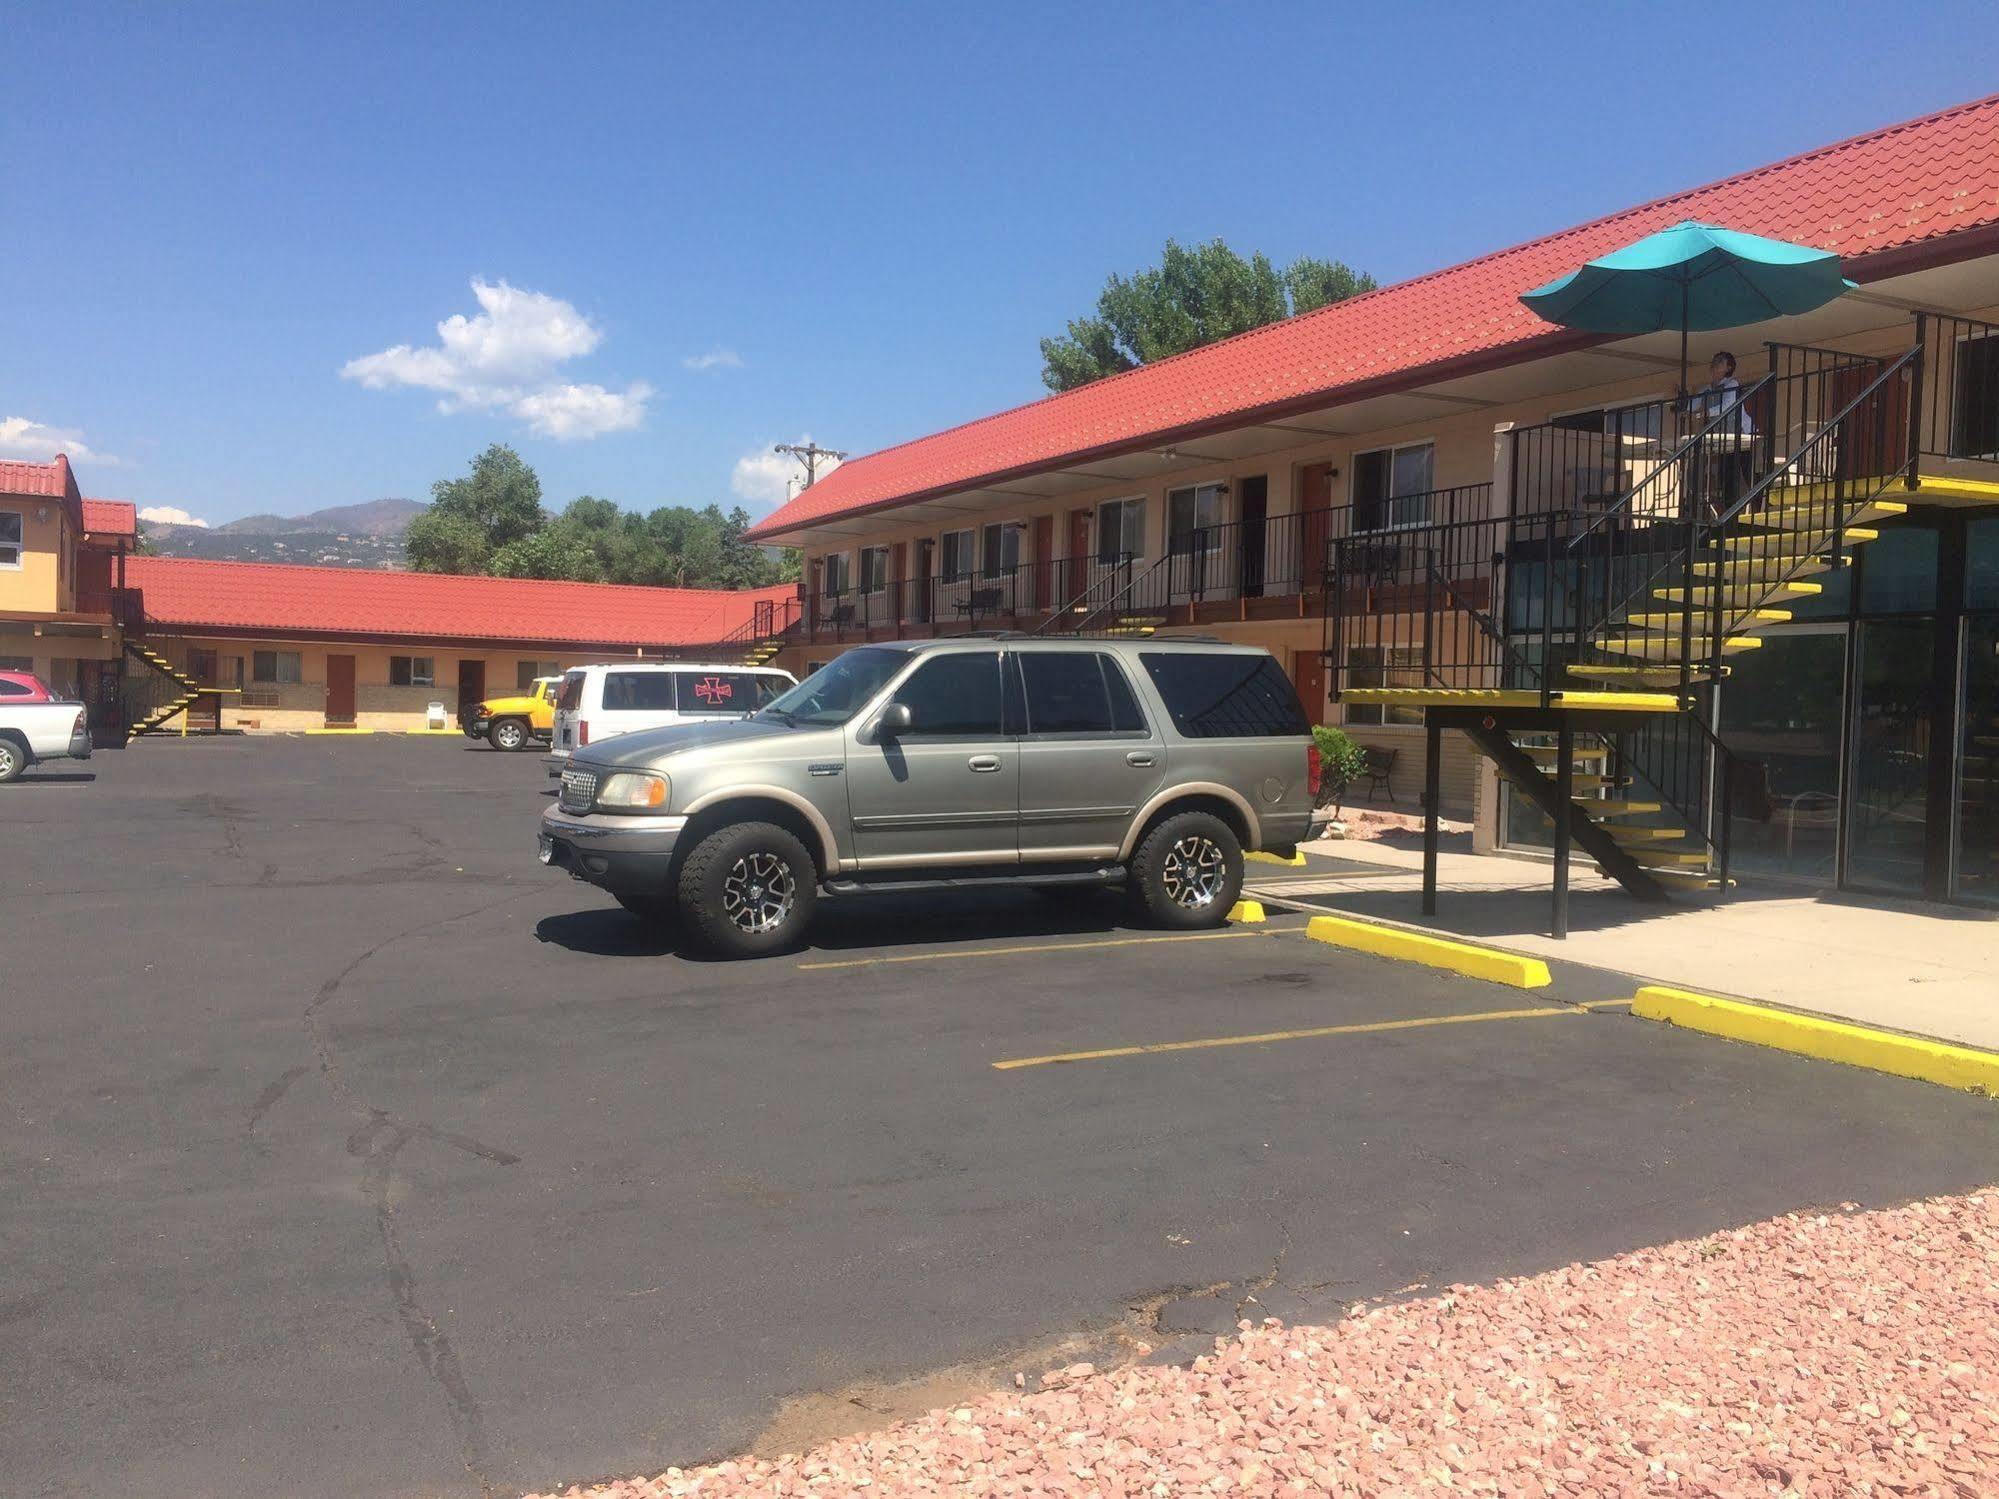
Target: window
point(1226, 695)
point(281, 667)
point(1000, 546)
point(1383, 666)
point(17, 663)
point(638, 692)
point(726, 692)
point(1391, 487)
point(1120, 531)
point(874, 569)
point(13, 689)
point(1194, 519)
point(570, 697)
point(954, 694)
point(12, 538)
point(525, 673)
point(838, 576)
point(1974, 420)
point(956, 559)
point(833, 694)
point(1077, 692)
point(412, 671)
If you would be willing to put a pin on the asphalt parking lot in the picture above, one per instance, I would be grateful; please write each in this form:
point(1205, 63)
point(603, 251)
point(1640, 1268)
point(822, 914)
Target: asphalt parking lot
point(345, 1149)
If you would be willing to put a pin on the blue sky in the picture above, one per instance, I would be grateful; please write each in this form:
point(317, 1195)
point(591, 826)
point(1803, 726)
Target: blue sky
point(872, 213)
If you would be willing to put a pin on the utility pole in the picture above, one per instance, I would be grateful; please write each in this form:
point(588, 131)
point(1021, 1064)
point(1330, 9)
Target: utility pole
point(808, 453)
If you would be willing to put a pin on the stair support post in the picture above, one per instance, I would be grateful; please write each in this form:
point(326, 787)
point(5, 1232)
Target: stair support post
point(1565, 789)
point(1433, 745)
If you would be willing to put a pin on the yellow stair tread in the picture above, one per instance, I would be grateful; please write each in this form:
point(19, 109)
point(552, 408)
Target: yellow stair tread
point(1601, 809)
point(1653, 647)
point(1625, 833)
point(1739, 619)
point(1593, 782)
point(1656, 676)
point(1510, 697)
point(1704, 593)
point(1668, 857)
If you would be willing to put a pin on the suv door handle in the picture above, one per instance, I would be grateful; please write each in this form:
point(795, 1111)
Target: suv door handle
point(1139, 757)
point(984, 762)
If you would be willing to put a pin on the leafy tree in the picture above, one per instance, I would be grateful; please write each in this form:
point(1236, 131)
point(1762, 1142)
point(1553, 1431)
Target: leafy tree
point(554, 552)
point(441, 543)
point(1193, 297)
point(500, 500)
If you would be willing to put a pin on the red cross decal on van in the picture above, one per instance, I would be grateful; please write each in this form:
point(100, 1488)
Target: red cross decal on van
point(712, 690)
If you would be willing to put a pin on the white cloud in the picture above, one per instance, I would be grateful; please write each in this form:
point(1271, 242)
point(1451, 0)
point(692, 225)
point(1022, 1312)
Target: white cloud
point(505, 357)
point(171, 515)
point(569, 413)
point(765, 477)
point(36, 442)
point(714, 359)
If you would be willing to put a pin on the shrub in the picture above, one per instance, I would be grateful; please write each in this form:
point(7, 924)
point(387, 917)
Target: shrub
point(1340, 761)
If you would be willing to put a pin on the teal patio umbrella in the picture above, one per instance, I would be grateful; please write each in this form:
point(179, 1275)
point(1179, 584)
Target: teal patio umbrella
point(1690, 276)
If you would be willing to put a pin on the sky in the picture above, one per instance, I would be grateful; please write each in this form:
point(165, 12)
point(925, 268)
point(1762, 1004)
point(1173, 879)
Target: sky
point(275, 257)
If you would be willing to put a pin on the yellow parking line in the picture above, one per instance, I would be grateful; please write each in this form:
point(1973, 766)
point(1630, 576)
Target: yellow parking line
point(1368, 1028)
point(1007, 952)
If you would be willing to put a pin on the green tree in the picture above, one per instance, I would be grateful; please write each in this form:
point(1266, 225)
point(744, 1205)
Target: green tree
point(1193, 297)
point(554, 552)
point(439, 543)
point(500, 499)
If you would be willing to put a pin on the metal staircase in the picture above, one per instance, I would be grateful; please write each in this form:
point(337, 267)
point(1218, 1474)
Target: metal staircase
point(1108, 606)
point(162, 692)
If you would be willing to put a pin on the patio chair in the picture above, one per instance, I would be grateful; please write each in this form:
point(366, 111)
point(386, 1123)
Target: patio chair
point(1380, 764)
point(980, 601)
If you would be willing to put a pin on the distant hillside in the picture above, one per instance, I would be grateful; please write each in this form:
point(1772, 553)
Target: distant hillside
point(365, 535)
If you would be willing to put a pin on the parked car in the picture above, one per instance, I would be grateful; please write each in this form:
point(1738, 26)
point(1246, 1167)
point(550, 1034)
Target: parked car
point(599, 702)
point(513, 723)
point(1147, 764)
point(36, 725)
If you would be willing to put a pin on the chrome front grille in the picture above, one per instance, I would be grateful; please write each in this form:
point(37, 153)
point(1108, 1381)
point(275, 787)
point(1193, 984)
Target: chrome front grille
point(579, 790)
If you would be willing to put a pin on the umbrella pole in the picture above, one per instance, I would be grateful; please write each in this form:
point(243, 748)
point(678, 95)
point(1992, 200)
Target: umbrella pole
point(1684, 319)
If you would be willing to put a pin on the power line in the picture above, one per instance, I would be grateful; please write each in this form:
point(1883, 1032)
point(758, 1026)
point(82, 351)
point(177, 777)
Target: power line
point(809, 454)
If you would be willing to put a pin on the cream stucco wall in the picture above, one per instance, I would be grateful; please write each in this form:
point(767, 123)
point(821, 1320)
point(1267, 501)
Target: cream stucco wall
point(45, 580)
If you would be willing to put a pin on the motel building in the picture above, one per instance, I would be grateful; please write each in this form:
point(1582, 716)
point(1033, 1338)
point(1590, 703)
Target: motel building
point(172, 645)
point(1770, 645)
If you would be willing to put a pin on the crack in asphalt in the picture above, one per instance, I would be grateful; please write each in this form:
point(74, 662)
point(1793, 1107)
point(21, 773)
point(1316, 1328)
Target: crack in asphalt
point(273, 1091)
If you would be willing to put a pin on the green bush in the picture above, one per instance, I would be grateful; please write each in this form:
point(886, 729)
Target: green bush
point(1340, 760)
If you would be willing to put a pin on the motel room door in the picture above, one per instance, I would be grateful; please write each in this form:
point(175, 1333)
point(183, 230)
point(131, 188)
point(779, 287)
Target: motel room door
point(1308, 675)
point(471, 686)
point(339, 692)
point(1079, 557)
point(1315, 501)
point(1043, 566)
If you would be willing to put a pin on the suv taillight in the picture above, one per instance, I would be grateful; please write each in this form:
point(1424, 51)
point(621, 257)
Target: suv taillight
point(582, 731)
point(1315, 770)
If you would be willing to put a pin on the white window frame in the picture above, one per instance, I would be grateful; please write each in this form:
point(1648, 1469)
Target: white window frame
point(1010, 531)
point(966, 562)
point(1388, 501)
point(19, 545)
point(1217, 491)
point(874, 580)
point(1121, 508)
point(836, 574)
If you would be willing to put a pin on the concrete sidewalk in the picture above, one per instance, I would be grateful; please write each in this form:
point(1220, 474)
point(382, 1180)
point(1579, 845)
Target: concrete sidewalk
point(1925, 969)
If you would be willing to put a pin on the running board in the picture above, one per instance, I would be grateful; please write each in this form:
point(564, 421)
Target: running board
point(1111, 874)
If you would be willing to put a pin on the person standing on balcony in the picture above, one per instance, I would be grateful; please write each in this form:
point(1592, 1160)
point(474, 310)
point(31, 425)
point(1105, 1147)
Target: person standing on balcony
point(1724, 472)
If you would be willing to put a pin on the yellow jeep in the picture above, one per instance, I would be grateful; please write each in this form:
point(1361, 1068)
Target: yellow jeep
point(513, 723)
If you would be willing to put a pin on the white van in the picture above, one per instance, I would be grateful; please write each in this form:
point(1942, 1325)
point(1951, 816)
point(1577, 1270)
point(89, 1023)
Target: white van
point(599, 702)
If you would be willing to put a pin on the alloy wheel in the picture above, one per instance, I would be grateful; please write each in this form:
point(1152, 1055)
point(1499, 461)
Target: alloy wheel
point(758, 893)
point(7, 754)
point(1194, 872)
point(510, 736)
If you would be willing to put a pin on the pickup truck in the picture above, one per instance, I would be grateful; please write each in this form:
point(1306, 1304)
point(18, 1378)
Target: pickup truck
point(35, 724)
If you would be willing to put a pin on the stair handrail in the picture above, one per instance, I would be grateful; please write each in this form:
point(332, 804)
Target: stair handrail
point(1731, 413)
point(1121, 567)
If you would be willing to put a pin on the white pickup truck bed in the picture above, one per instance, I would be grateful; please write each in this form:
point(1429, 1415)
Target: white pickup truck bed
point(41, 731)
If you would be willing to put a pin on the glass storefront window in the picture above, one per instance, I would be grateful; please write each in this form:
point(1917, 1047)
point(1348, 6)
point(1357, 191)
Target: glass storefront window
point(1981, 564)
point(1892, 737)
point(1898, 572)
point(1780, 711)
point(1978, 770)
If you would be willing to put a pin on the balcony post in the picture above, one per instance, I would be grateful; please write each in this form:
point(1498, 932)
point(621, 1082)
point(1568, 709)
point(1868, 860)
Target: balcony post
point(1913, 478)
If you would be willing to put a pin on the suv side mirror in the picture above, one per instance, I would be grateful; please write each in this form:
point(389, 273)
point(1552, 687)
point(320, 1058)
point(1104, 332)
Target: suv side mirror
point(894, 720)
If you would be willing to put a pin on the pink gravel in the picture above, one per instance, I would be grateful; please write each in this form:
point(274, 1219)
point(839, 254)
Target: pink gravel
point(1850, 1353)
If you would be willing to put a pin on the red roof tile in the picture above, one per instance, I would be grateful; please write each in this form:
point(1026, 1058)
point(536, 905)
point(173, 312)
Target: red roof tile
point(51, 480)
point(1888, 191)
point(190, 594)
point(110, 518)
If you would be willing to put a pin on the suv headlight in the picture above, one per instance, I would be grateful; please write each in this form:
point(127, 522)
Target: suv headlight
point(633, 790)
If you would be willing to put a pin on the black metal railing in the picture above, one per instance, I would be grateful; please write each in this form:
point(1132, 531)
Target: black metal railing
point(1954, 392)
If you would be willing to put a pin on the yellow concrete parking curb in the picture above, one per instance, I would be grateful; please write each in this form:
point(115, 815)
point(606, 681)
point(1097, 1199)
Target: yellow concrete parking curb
point(1487, 963)
point(1247, 910)
point(1828, 1040)
point(1258, 856)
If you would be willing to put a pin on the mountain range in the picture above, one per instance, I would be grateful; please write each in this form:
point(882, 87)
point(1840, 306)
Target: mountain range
point(369, 534)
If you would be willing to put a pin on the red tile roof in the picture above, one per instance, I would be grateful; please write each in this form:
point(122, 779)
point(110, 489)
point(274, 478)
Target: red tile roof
point(284, 600)
point(110, 517)
point(1876, 200)
point(51, 480)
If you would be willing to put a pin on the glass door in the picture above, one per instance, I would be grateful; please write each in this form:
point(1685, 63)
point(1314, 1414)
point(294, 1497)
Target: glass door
point(1888, 832)
point(1977, 799)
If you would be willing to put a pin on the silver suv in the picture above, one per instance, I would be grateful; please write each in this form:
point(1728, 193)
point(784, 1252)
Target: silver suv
point(980, 759)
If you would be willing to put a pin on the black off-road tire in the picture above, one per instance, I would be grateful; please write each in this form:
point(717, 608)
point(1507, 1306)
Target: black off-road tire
point(653, 907)
point(508, 734)
point(730, 890)
point(1187, 872)
point(13, 760)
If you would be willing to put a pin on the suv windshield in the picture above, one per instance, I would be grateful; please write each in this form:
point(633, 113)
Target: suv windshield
point(835, 693)
point(572, 692)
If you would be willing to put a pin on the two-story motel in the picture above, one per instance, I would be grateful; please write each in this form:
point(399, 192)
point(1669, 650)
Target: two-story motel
point(1273, 488)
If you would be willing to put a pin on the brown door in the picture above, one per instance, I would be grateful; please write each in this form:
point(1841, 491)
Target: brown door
point(1315, 501)
point(339, 691)
point(1079, 552)
point(1308, 675)
point(1043, 566)
point(471, 686)
point(204, 712)
point(1874, 438)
